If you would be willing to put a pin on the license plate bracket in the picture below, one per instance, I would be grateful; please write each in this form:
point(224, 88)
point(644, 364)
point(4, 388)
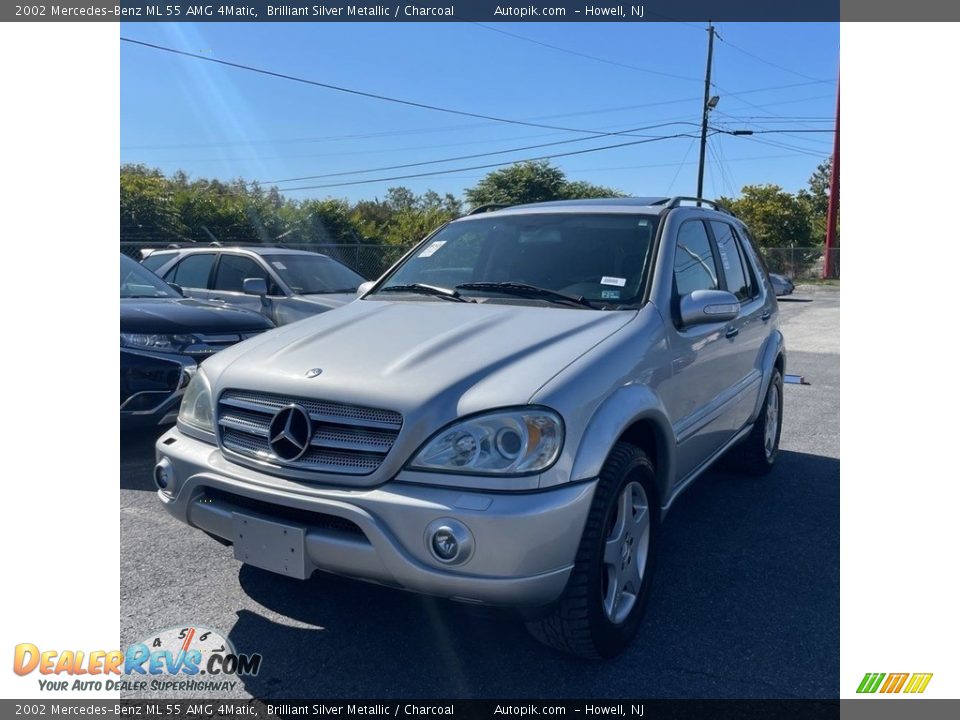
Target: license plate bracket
point(270, 545)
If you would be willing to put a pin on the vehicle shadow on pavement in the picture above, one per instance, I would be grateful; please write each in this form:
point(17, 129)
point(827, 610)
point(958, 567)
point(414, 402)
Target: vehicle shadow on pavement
point(745, 604)
point(137, 458)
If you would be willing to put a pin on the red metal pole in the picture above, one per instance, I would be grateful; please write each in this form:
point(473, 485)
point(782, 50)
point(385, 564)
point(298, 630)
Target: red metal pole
point(833, 206)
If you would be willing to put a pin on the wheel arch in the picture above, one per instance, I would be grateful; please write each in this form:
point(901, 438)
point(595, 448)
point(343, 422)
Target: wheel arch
point(774, 357)
point(634, 414)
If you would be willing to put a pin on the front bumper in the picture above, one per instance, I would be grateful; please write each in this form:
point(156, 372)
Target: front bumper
point(524, 544)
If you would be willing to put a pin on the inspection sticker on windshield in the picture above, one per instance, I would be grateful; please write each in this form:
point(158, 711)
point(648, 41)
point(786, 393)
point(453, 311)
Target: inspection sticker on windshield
point(619, 282)
point(279, 265)
point(432, 248)
point(609, 294)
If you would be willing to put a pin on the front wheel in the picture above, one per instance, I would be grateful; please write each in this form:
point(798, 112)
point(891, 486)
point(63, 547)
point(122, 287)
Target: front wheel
point(601, 607)
point(759, 449)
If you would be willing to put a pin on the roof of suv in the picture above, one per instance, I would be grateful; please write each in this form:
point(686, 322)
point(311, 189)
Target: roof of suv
point(605, 205)
point(236, 248)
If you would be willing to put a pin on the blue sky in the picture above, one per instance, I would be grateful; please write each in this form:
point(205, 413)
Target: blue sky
point(214, 121)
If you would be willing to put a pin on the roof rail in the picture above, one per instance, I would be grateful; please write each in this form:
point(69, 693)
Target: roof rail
point(674, 202)
point(487, 207)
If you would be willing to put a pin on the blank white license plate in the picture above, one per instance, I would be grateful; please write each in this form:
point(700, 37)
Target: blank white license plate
point(269, 545)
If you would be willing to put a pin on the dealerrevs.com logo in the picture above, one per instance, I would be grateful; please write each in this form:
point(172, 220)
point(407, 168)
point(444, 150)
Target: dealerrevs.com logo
point(909, 683)
point(190, 658)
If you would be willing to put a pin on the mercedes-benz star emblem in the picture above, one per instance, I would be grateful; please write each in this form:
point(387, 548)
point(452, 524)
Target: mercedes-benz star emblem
point(290, 432)
point(314, 372)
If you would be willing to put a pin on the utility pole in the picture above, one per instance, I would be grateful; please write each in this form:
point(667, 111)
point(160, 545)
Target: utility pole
point(833, 206)
point(706, 109)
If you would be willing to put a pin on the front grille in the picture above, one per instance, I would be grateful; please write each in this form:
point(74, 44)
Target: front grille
point(346, 440)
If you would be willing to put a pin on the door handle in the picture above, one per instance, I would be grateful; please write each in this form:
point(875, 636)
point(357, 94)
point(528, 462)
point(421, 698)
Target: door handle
point(732, 332)
point(765, 316)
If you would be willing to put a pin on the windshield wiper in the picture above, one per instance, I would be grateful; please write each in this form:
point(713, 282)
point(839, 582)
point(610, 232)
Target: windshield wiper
point(531, 291)
point(422, 289)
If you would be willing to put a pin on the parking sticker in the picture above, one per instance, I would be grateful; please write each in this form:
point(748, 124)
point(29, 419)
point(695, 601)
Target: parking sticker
point(609, 294)
point(279, 265)
point(432, 248)
point(619, 282)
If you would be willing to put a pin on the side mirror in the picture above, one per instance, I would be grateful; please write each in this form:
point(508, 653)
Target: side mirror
point(177, 288)
point(364, 288)
point(702, 307)
point(255, 286)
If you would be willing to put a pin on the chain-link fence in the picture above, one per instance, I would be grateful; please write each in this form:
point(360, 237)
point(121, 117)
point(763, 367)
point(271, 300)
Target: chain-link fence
point(367, 259)
point(801, 263)
point(372, 260)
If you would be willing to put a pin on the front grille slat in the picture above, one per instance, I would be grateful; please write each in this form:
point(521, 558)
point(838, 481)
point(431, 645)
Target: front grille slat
point(319, 411)
point(347, 439)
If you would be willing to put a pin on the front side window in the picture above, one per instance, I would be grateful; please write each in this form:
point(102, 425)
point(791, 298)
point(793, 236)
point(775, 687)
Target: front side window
point(601, 258)
point(694, 267)
point(234, 269)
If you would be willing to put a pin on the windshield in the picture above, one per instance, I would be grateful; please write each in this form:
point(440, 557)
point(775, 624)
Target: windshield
point(597, 257)
point(138, 282)
point(309, 274)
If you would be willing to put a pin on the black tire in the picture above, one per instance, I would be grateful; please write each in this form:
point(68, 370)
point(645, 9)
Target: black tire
point(577, 623)
point(752, 455)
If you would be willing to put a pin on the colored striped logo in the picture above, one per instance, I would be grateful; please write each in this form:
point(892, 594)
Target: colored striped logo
point(894, 682)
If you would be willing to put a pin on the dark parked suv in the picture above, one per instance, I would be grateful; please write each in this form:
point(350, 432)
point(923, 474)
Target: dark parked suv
point(163, 337)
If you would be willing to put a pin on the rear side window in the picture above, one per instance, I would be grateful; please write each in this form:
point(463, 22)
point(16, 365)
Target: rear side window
point(234, 269)
point(738, 281)
point(193, 271)
point(694, 267)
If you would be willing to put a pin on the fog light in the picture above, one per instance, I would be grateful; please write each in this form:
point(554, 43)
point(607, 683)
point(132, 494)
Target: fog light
point(163, 475)
point(449, 541)
point(445, 545)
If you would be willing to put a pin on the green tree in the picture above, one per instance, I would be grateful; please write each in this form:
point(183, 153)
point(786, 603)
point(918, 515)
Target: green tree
point(817, 198)
point(147, 208)
point(529, 182)
point(775, 217)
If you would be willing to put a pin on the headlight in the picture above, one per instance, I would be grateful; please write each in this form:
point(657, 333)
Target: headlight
point(196, 408)
point(511, 442)
point(164, 343)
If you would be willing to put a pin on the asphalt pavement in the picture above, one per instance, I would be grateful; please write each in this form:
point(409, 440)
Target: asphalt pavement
point(745, 603)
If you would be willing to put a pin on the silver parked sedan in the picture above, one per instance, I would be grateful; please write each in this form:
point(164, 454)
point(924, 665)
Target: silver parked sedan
point(285, 285)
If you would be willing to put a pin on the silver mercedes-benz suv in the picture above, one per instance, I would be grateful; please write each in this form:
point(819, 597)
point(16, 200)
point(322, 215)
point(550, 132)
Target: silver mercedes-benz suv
point(503, 418)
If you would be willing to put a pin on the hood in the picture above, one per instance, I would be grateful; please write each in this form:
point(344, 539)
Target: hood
point(185, 315)
point(418, 357)
point(330, 300)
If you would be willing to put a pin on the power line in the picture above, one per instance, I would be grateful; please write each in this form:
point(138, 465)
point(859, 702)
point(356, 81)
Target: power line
point(762, 131)
point(785, 146)
point(680, 165)
point(452, 128)
point(400, 101)
point(412, 131)
point(484, 167)
point(351, 91)
point(768, 62)
point(577, 53)
point(626, 133)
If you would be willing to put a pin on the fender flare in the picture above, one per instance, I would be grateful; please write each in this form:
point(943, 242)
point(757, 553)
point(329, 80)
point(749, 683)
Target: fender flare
point(626, 406)
point(774, 347)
